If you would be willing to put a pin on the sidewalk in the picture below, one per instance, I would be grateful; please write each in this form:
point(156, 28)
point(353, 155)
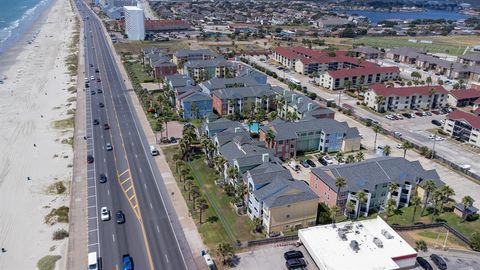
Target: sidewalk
point(77, 241)
point(194, 239)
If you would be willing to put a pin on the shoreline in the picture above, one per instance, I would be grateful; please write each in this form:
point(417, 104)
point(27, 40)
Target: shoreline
point(36, 165)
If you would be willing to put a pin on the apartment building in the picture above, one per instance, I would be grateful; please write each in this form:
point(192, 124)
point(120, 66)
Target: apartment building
point(181, 56)
point(324, 135)
point(381, 98)
point(222, 83)
point(463, 97)
point(232, 100)
point(463, 126)
point(281, 202)
point(366, 52)
point(373, 177)
point(362, 76)
point(202, 70)
point(300, 105)
point(194, 104)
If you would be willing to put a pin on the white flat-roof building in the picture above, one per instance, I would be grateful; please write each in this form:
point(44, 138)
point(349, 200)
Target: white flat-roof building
point(361, 245)
point(134, 23)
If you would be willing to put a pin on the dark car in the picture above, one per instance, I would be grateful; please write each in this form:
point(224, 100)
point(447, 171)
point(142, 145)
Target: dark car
point(92, 92)
point(91, 65)
point(173, 140)
point(89, 159)
point(311, 163)
point(96, 70)
point(106, 126)
point(295, 263)
point(101, 105)
point(436, 123)
point(98, 80)
point(407, 115)
point(127, 262)
point(437, 260)
point(120, 217)
point(102, 178)
point(87, 85)
point(293, 254)
point(304, 163)
point(96, 122)
point(99, 91)
point(322, 161)
point(424, 264)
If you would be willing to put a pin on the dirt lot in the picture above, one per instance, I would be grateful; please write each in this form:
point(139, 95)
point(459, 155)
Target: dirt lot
point(435, 238)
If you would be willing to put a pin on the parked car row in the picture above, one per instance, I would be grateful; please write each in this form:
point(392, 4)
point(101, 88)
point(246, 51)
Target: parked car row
point(437, 260)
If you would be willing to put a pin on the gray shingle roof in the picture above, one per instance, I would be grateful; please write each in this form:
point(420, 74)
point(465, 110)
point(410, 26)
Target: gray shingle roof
point(192, 96)
point(219, 83)
point(178, 80)
point(371, 172)
point(207, 63)
point(284, 192)
point(187, 53)
point(242, 92)
point(220, 125)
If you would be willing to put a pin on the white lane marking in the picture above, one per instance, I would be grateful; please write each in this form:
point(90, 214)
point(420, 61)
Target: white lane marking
point(93, 244)
point(116, 266)
point(94, 230)
point(113, 237)
point(136, 156)
point(145, 185)
point(105, 160)
point(92, 218)
point(151, 206)
point(140, 169)
point(93, 206)
point(158, 229)
point(108, 192)
point(166, 257)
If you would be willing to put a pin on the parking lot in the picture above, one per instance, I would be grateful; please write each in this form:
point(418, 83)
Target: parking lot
point(271, 257)
point(457, 260)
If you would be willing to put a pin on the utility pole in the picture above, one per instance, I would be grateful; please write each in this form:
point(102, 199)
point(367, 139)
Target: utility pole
point(433, 149)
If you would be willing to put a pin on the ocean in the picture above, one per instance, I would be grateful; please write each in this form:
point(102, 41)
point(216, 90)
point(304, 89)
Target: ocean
point(17, 17)
point(377, 16)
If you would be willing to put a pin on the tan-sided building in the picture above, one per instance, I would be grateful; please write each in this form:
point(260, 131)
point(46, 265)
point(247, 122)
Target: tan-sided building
point(361, 76)
point(463, 126)
point(381, 98)
point(279, 201)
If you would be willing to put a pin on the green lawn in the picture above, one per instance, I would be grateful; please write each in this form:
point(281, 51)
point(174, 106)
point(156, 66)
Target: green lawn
point(229, 227)
point(403, 216)
point(438, 46)
point(138, 72)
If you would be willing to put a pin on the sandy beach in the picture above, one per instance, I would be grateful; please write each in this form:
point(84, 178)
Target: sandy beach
point(35, 147)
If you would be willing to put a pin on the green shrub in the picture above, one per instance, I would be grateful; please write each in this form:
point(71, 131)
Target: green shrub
point(48, 262)
point(60, 234)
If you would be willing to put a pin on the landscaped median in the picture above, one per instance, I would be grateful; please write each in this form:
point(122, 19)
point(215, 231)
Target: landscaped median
point(220, 222)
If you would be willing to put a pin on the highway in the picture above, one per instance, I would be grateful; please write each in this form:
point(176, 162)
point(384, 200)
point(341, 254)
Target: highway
point(152, 234)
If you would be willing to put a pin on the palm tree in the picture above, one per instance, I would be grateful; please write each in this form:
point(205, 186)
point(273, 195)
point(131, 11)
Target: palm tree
point(225, 250)
point(360, 156)
point(240, 190)
point(201, 205)
point(232, 173)
point(437, 197)
point(159, 126)
point(406, 145)
point(379, 100)
point(183, 172)
point(376, 129)
point(269, 137)
point(350, 159)
point(178, 163)
point(392, 188)
point(391, 206)
point(333, 213)
point(187, 185)
point(415, 202)
point(350, 207)
point(339, 157)
point(429, 187)
point(447, 192)
point(467, 201)
point(387, 150)
point(340, 182)
point(220, 162)
point(195, 193)
point(257, 223)
point(421, 245)
point(362, 198)
point(428, 80)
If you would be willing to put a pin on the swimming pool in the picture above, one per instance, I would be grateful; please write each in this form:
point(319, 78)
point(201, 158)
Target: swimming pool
point(253, 128)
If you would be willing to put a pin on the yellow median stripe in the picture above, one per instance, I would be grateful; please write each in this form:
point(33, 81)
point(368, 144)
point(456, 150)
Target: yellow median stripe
point(120, 175)
point(124, 181)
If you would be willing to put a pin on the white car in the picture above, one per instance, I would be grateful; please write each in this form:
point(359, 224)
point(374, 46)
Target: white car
point(465, 166)
point(399, 146)
point(439, 139)
point(328, 159)
point(109, 147)
point(397, 134)
point(104, 214)
point(92, 78)
point(431, 136)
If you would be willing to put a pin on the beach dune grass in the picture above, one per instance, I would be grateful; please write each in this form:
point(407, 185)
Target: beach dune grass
point(48, 262)
point(59, 215)
point(66, 123)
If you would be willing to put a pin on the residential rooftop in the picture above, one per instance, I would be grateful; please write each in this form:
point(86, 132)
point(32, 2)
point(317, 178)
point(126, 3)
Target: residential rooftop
point(460, 115)
point(383, 90)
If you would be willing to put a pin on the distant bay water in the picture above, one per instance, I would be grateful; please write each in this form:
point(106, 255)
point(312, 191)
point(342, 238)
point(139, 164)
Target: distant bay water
point(16, 17)
point(378, 16)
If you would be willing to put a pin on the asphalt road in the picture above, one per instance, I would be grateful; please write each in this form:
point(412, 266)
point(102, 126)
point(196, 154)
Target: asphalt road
point(448, 150)
point(152, 234)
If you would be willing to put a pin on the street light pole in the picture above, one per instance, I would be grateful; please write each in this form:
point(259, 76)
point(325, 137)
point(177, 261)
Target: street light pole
point(433, 149)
